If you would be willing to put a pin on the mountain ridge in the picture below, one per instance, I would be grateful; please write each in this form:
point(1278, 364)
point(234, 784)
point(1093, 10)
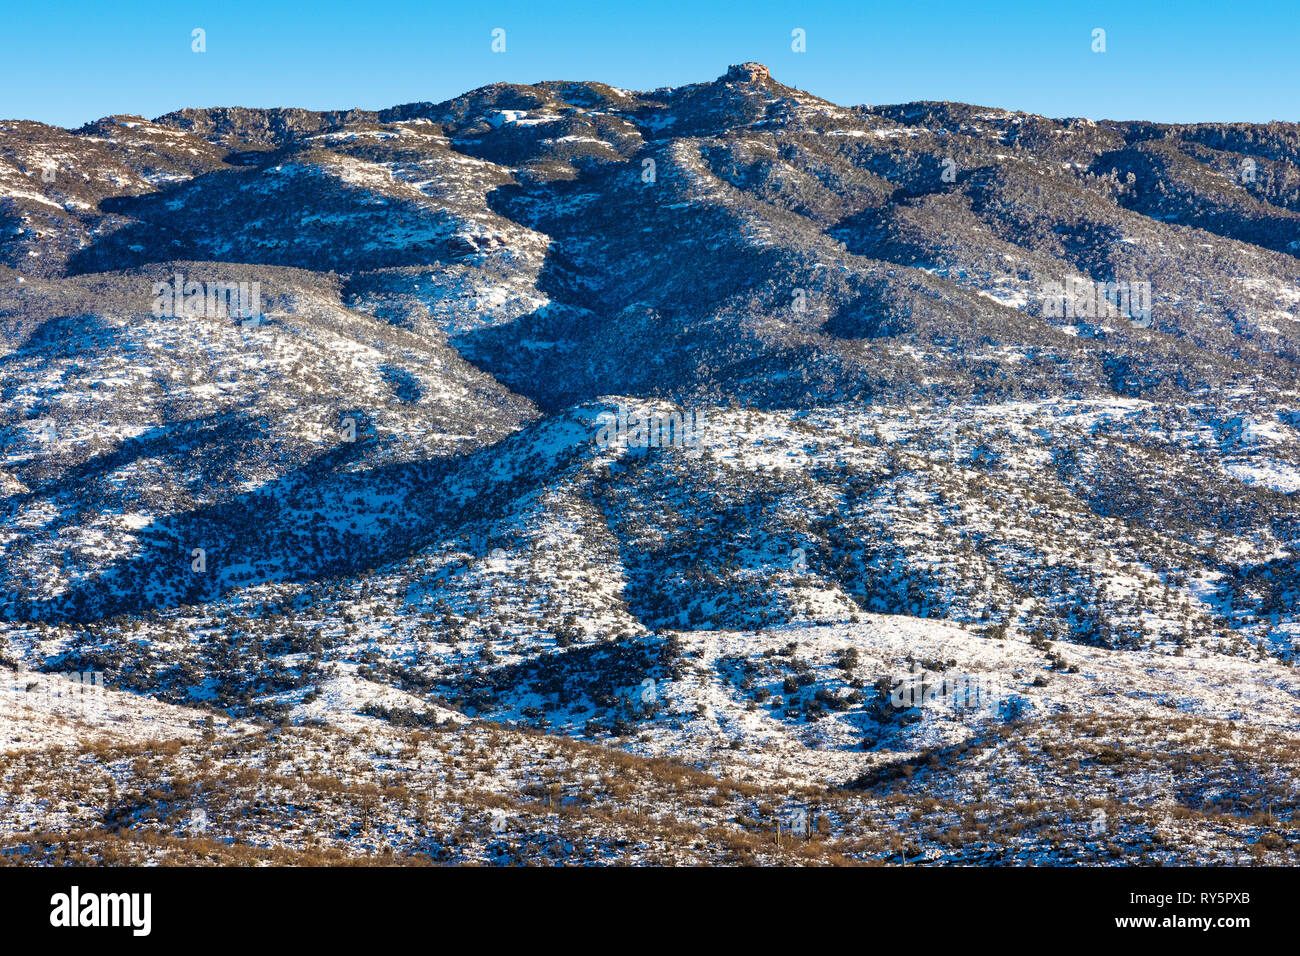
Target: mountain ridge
point(976, 399)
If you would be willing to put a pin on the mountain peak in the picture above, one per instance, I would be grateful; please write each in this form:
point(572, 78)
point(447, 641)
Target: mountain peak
point(748, 72)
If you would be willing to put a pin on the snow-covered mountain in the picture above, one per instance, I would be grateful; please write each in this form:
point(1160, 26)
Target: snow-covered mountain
point(703, 457)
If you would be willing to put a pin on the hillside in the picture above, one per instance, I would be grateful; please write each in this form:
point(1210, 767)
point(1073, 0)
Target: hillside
point(634, 466)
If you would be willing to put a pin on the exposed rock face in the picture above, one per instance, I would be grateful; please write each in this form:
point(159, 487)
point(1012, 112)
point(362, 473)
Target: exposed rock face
point(750, 72)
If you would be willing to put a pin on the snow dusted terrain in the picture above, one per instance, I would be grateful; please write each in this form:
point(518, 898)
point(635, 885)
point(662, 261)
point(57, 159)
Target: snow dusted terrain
point(912, 565)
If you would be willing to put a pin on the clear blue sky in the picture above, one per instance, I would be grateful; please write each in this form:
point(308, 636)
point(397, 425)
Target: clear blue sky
point(70, 62)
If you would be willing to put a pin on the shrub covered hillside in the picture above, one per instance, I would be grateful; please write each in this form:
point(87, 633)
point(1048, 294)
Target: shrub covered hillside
point(569, 474)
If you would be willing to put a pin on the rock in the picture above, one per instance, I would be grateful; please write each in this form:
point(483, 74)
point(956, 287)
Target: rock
point(747, 72)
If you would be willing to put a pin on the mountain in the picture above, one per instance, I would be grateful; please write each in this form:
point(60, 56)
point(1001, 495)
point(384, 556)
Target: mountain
point(712, 457)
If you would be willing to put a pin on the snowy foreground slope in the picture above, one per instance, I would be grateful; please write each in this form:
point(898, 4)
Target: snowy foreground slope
point(701, 475)
point(154, 784)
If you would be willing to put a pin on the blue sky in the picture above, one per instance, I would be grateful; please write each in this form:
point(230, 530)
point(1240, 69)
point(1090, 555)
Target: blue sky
point(1164, 61)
